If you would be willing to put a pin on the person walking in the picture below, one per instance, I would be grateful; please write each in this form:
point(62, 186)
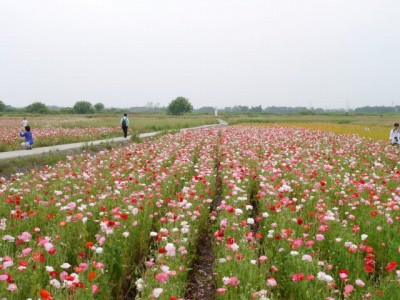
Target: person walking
point(395, 134)
point(26, 133)
point(125, 124)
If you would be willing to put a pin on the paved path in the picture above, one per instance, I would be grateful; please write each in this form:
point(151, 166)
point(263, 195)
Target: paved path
point(34, 151)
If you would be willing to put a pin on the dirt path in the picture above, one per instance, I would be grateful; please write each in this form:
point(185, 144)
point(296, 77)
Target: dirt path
point(201, 279)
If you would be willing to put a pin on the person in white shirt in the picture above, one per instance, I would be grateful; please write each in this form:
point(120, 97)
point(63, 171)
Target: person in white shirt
point(24, 122)
point(395, 134)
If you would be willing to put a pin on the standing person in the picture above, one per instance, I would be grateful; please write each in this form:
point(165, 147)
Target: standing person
point(125, 124)
point(26, 133)
point(24, 122)
point(395, 134)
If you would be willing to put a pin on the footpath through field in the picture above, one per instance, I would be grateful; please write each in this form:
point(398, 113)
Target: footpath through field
point(34, 151)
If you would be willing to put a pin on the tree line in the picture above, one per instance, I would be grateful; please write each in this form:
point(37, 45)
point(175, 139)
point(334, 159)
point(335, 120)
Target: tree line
point(178, 106)
point(80, 107)
point(182, 105)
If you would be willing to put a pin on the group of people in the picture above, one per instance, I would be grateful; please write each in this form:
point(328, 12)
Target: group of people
point(26, 133)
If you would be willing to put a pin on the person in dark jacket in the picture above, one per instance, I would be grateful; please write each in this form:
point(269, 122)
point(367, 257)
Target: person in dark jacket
point(125, 124)
point(26, 133)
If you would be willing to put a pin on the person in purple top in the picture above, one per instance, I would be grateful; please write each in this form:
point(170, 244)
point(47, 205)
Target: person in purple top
point(26, 133)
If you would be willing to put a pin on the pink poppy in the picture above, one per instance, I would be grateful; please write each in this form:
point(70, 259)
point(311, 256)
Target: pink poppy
point(232, 281)
point(360, 283)
point(95, 289)
point(162, 277)
point(12, 287)
point(348, 289)
point(271, 282)
point(221, 290)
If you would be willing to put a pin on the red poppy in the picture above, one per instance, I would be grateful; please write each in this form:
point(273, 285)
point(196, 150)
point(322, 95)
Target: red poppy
point(124, 216)
point(239, 256)
point(38, 257)
point(297, 277)
point(45, 295)
point(373, 213)
point(92, 275)
point(391, 267)
point(369, 269)
point(23, 263)
point(230, 240)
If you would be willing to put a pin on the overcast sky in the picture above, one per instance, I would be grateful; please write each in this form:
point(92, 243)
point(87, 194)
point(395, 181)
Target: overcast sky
point(123, 53)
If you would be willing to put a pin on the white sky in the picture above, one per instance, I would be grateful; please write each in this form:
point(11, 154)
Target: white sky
point(123, 53)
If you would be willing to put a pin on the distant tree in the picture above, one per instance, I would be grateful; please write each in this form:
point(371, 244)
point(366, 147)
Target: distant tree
point(227, 109)
point(205, 109)
point(37, 107)
point(98, 106)
point(256, 109)
point(307, 112)
point(53, 108)
point(83, 107)
point(377, 109)
point(2, 106)
point(284, 110)
point(67, 110)
point(149, 106)
point(240, 108)
point(179, 106)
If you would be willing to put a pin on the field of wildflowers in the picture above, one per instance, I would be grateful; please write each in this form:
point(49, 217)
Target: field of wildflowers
point(375, 127)
point(291, 213)
point(64, 129)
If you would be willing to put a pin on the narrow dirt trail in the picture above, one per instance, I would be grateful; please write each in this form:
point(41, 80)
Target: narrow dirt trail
point(201, 280)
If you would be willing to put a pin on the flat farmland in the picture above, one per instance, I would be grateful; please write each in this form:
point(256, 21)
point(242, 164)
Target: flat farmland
point(63, 129)
point(241, 212)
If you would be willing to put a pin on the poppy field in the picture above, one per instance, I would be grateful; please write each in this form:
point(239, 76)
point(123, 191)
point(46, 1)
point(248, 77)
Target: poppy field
point(65, 129)
point(239, 212)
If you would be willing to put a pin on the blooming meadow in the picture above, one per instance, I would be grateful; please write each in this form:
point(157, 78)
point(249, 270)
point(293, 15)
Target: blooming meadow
point(292, 214)
point(64, 129)
point(52, 135)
